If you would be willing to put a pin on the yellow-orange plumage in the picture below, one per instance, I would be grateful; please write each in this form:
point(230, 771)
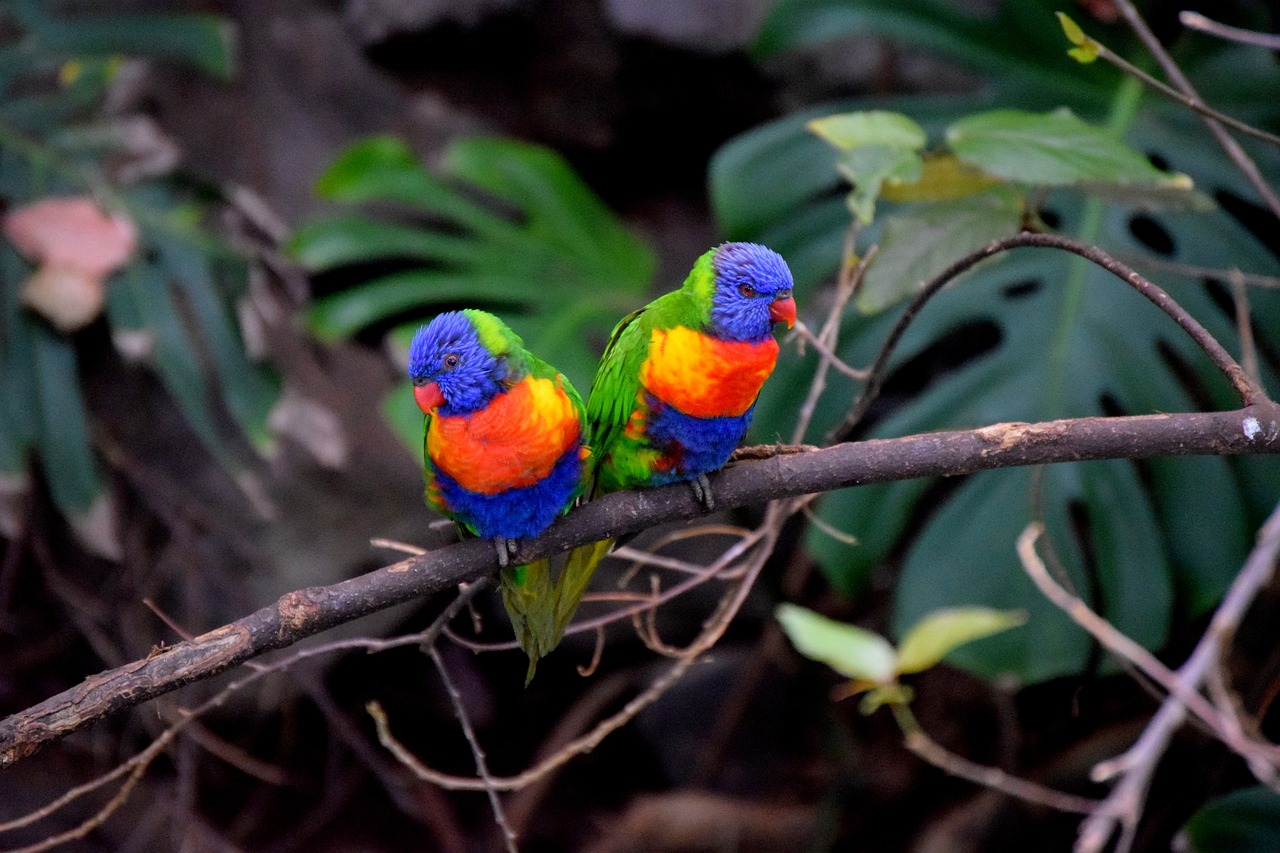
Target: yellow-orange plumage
point(514, 442)
point(703, 376)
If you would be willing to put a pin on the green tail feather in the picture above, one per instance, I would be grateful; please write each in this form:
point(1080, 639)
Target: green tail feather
point(579, 567)
point(529, 596)
point(540, 610)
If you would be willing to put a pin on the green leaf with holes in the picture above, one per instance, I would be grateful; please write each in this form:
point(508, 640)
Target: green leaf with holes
point(1031, 335)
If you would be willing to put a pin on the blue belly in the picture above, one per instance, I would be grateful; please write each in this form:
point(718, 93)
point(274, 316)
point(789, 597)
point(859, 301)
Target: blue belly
point(697, 445)
point(515, 513)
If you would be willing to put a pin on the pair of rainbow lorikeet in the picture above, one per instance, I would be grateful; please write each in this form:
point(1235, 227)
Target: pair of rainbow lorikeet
point(509, 445)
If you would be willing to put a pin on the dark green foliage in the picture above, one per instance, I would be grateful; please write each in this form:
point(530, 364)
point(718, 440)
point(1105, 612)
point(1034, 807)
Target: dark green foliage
point(1244, 821)
point(175, 297)
point(508, 226)
point(1029, 336)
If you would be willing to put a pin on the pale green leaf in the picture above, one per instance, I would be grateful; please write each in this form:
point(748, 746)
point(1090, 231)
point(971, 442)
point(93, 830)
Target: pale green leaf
point(934, 636)
point(868, 167)
point(1071, 29)
point(872, 127)
point(851, 651)
point(1048, 149)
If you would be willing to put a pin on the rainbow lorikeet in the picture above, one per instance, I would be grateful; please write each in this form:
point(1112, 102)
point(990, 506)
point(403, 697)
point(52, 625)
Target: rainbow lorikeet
point(504, 451)
point(675, 389)
point(674, 392)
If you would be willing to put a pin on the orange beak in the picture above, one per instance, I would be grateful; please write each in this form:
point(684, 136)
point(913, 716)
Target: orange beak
point(783, 311)
point(428, 396)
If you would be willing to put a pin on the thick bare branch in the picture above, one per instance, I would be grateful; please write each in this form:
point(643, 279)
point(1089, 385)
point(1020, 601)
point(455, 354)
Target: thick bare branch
point(302, 613)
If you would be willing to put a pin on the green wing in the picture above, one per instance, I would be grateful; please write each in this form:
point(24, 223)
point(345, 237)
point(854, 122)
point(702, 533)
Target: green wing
point(617, 380)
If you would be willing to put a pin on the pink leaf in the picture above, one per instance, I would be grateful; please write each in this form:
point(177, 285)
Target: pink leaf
point(71, 233)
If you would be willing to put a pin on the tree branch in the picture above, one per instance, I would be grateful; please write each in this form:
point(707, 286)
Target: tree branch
point(302, 613)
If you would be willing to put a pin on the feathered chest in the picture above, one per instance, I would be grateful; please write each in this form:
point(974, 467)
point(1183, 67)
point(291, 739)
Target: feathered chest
point(704, 376)
point(513, 442)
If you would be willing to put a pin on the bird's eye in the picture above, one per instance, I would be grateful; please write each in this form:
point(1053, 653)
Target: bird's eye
point(451, 361)
point(746, 290)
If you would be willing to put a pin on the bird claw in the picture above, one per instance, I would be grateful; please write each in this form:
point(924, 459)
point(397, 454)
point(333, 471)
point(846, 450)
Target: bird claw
point(702, 491)
point(506, 549)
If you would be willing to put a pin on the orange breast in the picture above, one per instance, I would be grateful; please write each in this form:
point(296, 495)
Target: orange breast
point(703, 376)
point(513, 442)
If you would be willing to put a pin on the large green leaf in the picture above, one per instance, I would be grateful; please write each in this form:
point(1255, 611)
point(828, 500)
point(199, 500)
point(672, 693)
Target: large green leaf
point(1020, 49)
point(1055, 149)
point(247, 389)
point(173, 300)
point(1244, 821)
point(1050, 337)
point(508, 226)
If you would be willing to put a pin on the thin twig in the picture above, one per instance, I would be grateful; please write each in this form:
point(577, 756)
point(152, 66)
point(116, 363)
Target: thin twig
point(830, 529)
point(477, 752)
point(396, 545)
point(138, 763)
point(1190, 102)
point(1197, 21)
point(597, 654)
point(640, 559)
point(857, 374)
point(1244, 328)
point(1242, 160)
point(851, 277)
point(716, 569)
point(1214, 350)
point(92, 823)
point(1136, 766)
point(770, 528)
point(916, 740)
point(1195, 271)
point(1123, 646)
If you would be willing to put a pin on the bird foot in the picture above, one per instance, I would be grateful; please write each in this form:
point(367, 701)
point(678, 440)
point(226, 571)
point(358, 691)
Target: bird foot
point(702, 491)
point(506, 549)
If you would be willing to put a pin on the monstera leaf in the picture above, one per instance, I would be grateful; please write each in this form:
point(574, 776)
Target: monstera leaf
point(1031, 335)
point(508, 226)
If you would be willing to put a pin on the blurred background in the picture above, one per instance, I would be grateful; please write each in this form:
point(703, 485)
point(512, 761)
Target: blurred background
point(204, 406)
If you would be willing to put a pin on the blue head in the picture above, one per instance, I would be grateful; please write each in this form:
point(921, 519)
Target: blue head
point(460, 360)
point(752, 291)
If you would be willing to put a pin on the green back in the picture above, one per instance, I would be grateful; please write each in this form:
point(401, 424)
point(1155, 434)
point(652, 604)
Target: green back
point(617, 380)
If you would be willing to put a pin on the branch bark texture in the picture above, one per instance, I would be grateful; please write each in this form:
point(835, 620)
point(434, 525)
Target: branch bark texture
point(302, 613)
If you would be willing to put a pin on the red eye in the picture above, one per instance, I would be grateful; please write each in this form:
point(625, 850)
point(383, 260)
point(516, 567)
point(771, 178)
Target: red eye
point(451, 361)
point(746, 290)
